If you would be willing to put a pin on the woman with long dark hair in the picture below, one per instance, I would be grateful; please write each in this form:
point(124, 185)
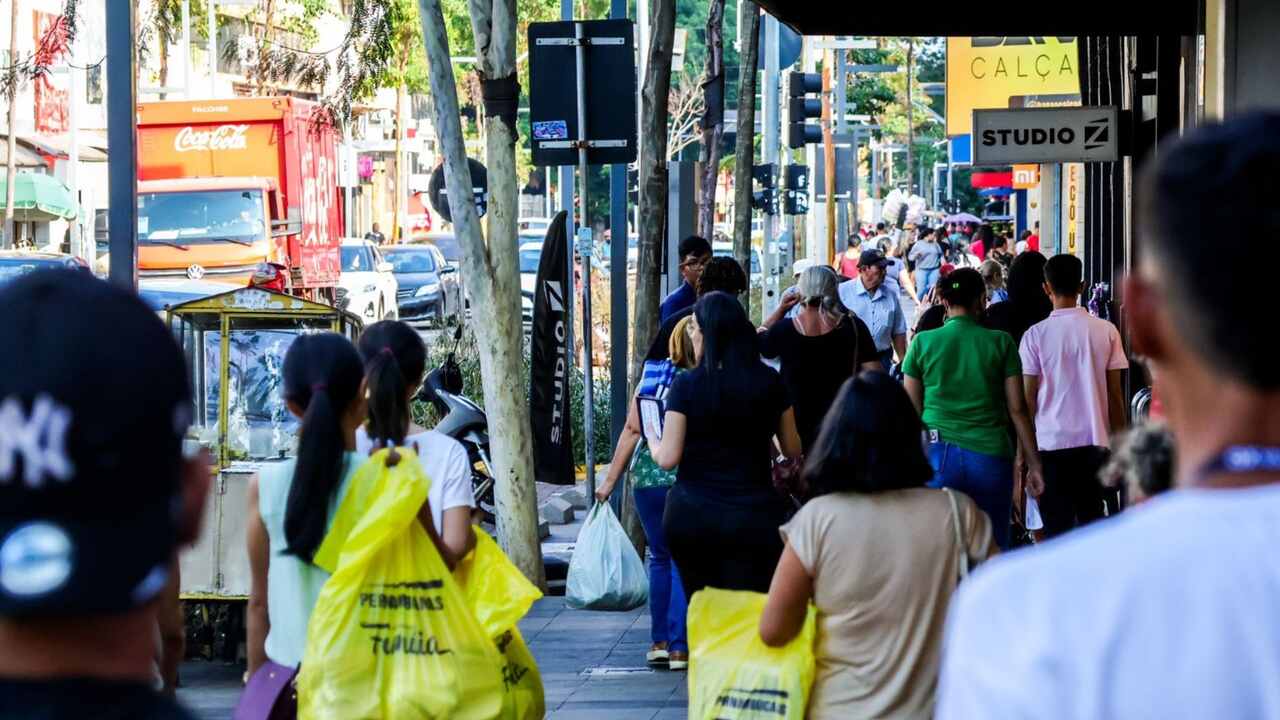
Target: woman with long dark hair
point(650, 485)
point(1027, 304)
point(292, 503)
point(877, 553)
point(395, 361)
point(721, 418)
point(966, 382)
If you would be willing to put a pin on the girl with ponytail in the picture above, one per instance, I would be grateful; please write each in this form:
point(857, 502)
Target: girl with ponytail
point(292, 503)
point(395, 361)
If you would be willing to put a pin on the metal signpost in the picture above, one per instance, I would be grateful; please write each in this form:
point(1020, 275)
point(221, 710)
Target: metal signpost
point(1046, 135)
point(604, 133)
point(770, 116)
point(122, 168)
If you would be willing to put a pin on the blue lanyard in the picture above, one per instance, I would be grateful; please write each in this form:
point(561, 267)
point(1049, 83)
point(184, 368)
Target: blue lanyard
point(1239, 459)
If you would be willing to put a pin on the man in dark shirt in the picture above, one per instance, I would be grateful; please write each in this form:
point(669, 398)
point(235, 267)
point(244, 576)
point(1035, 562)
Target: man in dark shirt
point(96, 497)
point(722, 274)
point(375, 235)
point(694, 253)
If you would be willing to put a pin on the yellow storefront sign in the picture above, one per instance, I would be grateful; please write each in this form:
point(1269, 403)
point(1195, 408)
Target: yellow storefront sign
point(985, 72)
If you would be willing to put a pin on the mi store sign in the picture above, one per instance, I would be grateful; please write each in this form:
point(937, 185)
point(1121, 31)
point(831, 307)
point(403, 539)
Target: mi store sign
point(1045, 135)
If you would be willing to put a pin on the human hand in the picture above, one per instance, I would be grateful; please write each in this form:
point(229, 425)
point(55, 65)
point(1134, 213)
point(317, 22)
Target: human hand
point(604, 490)
point(1035, 480)
point(789, 298)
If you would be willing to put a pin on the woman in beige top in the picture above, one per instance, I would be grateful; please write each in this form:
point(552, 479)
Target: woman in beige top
point(876, 552)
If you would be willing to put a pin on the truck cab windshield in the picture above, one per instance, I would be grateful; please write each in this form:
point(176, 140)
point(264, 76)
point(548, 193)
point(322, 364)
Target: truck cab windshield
point(171, 218)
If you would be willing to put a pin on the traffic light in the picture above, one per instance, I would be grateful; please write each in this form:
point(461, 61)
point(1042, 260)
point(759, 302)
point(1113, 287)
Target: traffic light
point(766, 198)
point(801, 108)
point(796, 181)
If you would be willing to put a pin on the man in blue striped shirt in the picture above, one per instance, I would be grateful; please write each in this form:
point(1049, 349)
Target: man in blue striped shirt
point(867, 297)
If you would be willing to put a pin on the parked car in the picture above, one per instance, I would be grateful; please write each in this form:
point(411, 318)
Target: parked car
point(430, 287)
point(16, 263)
point(446, 243)
point(533, 225)
point(530, 256)
point(367, 287)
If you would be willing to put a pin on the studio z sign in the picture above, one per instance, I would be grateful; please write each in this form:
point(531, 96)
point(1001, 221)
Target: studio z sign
point(1045, 135)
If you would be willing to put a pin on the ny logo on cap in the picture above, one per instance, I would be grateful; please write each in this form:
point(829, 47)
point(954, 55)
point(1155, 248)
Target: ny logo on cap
point(39, 439)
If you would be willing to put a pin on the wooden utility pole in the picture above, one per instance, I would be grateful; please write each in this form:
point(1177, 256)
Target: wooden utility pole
point(744, 151)
point(829, 154)
point(492, 268)
point(654, 106)
point(401, 177)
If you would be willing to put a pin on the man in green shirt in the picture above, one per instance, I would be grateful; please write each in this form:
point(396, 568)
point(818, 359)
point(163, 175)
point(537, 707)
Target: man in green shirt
point(966, 382)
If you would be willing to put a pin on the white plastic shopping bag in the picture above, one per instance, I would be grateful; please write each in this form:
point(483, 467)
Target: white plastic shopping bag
point(1033, 519)
point(606, 572)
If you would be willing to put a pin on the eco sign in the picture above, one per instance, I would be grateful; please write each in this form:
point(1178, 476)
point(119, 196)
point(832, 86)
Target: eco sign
point(1001, 72)
point(1045, 135)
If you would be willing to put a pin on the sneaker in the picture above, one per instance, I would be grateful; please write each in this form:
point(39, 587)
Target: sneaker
point(678, 661)
point(657, 655)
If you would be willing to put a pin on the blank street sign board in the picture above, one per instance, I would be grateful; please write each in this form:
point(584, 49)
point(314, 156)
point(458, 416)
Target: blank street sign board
point(610, 90)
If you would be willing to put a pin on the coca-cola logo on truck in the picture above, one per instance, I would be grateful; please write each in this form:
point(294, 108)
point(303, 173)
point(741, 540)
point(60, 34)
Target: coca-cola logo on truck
point(223, 137)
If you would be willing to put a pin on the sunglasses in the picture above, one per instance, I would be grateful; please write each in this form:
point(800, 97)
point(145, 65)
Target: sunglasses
point(695, 262)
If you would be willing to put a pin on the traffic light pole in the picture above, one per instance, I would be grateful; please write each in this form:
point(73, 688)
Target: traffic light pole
point(770, 121)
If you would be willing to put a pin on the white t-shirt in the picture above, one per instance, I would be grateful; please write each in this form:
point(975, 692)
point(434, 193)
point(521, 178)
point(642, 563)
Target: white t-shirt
point(1170, 610)
point(444, 460)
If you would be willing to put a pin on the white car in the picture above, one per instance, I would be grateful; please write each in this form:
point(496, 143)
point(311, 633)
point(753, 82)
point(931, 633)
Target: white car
point(530, 256)
point(366, 286)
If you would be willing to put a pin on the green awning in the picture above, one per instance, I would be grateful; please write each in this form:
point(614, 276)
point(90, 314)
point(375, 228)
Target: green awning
point(38, 198)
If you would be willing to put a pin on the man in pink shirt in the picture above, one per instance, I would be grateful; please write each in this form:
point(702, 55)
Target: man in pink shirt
point(1071, 365)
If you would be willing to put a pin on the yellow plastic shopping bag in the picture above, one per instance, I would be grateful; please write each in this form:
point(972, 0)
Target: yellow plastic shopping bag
point(392, 635)
point(733, 675)
point(499, 595)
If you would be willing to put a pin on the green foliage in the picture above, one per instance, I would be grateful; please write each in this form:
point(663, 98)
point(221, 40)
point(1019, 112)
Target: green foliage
point(468, 358)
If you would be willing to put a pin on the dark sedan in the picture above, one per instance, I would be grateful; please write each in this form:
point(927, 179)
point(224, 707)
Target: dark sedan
point(429, 287)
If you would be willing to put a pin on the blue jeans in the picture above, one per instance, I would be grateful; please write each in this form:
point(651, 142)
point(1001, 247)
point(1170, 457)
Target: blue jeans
point(925, 280)
point(988, 479)
point(667, 605)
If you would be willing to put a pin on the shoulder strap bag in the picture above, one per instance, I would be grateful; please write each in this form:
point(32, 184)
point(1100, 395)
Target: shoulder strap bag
point(957, 526)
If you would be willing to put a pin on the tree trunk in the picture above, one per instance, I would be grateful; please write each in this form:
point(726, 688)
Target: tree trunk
point(264, 47)
point(654, 104)
point(164, 63)
point(713, 118)
point(400, 175)
point(10, 228)
point(491, 271)
point(744, 151)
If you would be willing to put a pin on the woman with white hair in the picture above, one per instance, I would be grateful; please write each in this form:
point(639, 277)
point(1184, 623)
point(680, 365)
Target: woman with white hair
point(820, 347)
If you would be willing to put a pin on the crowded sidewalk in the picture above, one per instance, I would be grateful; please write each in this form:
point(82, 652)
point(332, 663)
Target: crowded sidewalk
point(592, 666)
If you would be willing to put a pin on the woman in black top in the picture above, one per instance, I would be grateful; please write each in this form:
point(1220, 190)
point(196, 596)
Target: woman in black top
point(723, 514)
point(1027, 304)
point(820, 346)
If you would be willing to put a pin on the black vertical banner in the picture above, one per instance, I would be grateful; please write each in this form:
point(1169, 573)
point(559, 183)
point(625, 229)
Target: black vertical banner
point(549, 361)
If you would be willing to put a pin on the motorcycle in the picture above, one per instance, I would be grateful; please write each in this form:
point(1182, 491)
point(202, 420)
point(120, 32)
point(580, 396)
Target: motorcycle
point(464, 421)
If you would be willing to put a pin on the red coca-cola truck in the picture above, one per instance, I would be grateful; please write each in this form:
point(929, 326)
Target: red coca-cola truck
point(244, 190)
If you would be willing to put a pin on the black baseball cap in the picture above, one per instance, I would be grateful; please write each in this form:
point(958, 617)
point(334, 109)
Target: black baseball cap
point(94, 403)
point(870, 258)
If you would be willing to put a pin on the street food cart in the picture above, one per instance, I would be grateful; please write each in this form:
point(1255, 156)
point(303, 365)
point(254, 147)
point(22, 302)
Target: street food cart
point(235, 343)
